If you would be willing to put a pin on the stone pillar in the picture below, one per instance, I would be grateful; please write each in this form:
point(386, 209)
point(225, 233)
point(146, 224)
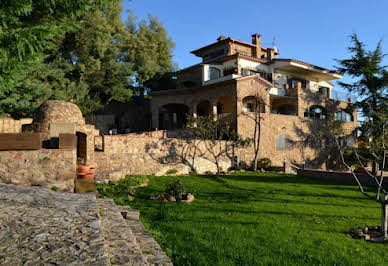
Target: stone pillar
point(194, 110)
point(301, 101)
point(214, 109)
point(267, 106)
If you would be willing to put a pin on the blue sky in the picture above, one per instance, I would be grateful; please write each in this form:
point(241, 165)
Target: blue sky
point(312, 31)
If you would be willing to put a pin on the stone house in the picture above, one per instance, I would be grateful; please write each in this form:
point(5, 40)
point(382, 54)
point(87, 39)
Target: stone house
point(233, 74)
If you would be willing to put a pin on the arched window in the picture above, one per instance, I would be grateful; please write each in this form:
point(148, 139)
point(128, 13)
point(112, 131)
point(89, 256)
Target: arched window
point(284, 142)
point(315, 112)
point(250, 103)
point(343, 115)
point(214, 73)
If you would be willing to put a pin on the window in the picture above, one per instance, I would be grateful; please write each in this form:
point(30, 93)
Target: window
point(214, 73)
point(292, 83)
point(284, 142)
point(343, 115)
point(324, 91)
point(315, 112)
point(249, 104)
point(303, 84)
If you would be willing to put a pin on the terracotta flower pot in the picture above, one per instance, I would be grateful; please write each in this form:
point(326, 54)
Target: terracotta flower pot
point(92, 170)
point(83, 169)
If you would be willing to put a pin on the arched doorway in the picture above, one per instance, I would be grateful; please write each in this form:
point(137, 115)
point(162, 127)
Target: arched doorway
point(204, 108)
point(81, 148)
point(173, 116)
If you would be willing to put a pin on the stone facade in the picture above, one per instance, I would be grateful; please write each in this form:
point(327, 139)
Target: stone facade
point(9, 125)
point(295, 96)
point(46, 168)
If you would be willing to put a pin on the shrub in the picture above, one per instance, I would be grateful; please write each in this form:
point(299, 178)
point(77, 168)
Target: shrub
point(236, 168)
point(264, 163)
point(171, 171)
point(193, 172)
point(54, 188)
point(176, 189)
point(125, 186)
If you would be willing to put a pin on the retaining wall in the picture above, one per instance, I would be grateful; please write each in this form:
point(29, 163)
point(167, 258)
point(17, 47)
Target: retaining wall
point(139, 154)
point(44, 167)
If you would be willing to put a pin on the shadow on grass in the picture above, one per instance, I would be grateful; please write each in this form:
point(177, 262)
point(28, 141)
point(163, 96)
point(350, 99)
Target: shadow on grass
point(244, 193)
point(282, 178)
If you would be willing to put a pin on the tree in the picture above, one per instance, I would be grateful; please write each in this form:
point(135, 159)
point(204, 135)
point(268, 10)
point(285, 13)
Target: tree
point(149, 49)
point(370, 83)
point(256, 116)
point(78, 51)
point(213, 139)
point(27, 29)
point(87, 65)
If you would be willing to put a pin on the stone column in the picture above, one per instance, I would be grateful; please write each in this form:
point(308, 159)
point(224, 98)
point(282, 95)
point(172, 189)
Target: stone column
point(301, 101)
point(194, 110)
point(213, 105)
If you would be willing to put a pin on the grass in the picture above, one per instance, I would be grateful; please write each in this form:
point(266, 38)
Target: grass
point(260, 219)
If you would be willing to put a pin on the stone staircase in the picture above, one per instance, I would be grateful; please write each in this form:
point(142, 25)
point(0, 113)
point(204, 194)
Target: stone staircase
point(126, 240)
point(39, 226)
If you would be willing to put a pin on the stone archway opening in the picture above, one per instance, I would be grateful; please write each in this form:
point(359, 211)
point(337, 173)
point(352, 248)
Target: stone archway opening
point(173, 116)
point(204, 108)
point(81, 148)
point(253, 104)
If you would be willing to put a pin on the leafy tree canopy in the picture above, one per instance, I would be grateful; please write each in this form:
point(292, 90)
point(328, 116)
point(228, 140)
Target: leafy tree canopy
point(370, 83)
point(78, 51)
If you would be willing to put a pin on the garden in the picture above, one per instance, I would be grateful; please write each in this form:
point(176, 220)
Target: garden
point(249, 218)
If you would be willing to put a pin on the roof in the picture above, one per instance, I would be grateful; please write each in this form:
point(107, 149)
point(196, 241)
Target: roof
point(306, 64)
point(228, 40)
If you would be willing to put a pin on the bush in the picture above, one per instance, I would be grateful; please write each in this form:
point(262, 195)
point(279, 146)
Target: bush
point(264, 163)
point(171, 171)
point(236, 168)
point(193, 172)
point(176, 189)
point(125, 186)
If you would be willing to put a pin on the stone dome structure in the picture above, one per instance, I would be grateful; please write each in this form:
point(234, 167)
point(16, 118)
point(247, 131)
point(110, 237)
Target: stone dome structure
point(54, 111)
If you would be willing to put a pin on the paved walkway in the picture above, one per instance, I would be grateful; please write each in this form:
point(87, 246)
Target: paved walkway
point(40, 226)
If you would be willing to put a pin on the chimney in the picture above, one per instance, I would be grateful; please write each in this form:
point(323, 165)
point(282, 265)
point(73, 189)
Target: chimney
point(270, 53)
point(221, 38)
point(256, 40)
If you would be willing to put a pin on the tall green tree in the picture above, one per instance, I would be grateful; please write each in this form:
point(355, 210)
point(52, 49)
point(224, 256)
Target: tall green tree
point(149, 49)
point(369, 78)
point(80, 52)
point(88, 64)
point(27, 29)
point(370, 82)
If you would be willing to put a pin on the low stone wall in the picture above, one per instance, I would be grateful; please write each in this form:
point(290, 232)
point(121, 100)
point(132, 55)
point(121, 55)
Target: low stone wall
point(133, 154)
point(44, 167)
point(9, 125)
point(340, 177)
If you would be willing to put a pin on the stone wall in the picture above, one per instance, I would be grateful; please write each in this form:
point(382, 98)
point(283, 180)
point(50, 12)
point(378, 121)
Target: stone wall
point(9, 125)
point(134, 154)
point(44, 167)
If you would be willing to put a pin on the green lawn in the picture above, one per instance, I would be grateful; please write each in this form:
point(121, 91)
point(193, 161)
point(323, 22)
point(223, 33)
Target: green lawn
point(260, 219)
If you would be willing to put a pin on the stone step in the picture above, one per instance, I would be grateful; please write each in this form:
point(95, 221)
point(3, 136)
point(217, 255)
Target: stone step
point(120, 242)
point(149, 247)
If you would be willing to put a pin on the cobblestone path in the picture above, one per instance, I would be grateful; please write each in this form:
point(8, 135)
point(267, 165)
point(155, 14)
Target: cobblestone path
point(42, 227)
